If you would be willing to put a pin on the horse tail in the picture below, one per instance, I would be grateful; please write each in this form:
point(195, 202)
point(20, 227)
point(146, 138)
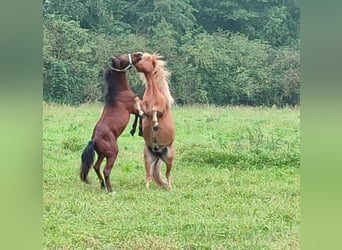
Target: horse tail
point(156, 173)
point(87, 159)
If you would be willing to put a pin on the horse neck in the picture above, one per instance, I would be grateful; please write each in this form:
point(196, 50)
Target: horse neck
point(152, 87)
point(122, 81)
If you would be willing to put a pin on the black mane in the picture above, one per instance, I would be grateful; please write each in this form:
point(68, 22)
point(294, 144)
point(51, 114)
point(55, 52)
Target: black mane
point(111, 87)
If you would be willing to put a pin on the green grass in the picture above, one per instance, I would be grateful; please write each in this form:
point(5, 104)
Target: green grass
point(235, 183)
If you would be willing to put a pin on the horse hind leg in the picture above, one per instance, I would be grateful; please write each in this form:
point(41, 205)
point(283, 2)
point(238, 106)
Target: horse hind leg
point(148, 167)
point(106, 172)
point(97, 170)
point(148, 175)
point(150, 160)
point(167, 157)
point(168, 175)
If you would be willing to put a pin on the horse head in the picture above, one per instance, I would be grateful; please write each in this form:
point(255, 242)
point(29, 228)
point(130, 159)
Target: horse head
point(124, 62)
point(148, 62)
point(154, 66)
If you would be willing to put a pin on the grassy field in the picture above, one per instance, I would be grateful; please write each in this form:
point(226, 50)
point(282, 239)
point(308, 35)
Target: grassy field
point(235, 183)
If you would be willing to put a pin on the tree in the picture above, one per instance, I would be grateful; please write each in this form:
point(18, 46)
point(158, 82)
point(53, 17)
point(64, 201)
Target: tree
point(68, 60)
point(144, 15)
point(285, 70)
point(274, 21)
point(220, 52)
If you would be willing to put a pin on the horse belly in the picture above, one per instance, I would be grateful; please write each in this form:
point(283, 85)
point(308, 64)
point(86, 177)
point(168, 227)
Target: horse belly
point(121, 124)
point(163, 136)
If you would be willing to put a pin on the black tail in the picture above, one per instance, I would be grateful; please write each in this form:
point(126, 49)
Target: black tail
point(87, 159)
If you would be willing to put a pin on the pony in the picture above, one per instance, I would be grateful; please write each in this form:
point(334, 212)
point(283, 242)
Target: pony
point(120, 102)
point(157, 123)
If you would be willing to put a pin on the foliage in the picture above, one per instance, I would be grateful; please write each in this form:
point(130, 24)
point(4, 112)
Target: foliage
point(236, 186)
point(219, 52)
point(286, 82)
point(68, 61)
point(273, 21)
point(233, 68)
point(144, 15)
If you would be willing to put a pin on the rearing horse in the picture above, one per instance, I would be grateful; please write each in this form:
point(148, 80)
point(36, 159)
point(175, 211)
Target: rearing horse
point(157, 124)
point(120, 102)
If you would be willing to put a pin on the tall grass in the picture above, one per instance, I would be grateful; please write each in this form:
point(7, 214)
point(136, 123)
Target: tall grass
point(235, 179)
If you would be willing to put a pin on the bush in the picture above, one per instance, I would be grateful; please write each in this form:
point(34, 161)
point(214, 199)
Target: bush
point(69, 65)
point(221, 68)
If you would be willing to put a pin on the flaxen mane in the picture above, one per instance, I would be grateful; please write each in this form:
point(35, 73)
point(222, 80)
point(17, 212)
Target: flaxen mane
point(161, 75)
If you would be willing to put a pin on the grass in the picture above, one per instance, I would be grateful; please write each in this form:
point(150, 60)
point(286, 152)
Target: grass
point(235, 179)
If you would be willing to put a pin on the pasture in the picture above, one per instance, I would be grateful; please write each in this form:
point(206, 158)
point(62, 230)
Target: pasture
point(236, 183)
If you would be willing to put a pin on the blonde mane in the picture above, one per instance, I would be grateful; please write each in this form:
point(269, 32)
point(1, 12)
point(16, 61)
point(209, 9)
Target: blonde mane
point(161, 75)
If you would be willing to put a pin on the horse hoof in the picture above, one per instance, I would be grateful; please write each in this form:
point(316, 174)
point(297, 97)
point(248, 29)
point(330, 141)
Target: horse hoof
point(112, 192)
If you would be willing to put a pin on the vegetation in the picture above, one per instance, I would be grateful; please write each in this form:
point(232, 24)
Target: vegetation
point(220, 52)
point(235, 178)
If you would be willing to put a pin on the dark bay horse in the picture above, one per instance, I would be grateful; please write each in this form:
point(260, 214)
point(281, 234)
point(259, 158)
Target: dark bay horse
point(157, 124)
point(120, 102)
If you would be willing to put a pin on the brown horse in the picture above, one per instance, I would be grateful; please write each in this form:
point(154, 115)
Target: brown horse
point(157, 124)
point(120, 102)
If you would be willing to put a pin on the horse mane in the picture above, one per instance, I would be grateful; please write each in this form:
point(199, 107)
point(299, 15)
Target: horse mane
point(111, 83)
point(161, 75)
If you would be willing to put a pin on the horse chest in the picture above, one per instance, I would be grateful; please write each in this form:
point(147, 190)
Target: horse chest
point(152, 105)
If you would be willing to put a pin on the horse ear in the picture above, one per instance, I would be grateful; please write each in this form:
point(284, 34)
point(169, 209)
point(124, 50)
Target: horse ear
point(154, 63)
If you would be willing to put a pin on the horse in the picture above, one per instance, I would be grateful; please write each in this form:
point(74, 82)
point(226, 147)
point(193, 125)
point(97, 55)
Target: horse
point(120, 102)
point(157, 123)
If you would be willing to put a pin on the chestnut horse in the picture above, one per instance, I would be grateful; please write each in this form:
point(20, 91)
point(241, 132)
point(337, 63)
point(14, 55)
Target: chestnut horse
point(157, 124)
point(120, 102)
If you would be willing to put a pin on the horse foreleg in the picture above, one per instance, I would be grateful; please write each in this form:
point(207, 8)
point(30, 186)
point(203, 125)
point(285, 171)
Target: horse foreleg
point(137, 105)
point(140, 133)
point(134, 125)
point(154, 119)
point(138, 108)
